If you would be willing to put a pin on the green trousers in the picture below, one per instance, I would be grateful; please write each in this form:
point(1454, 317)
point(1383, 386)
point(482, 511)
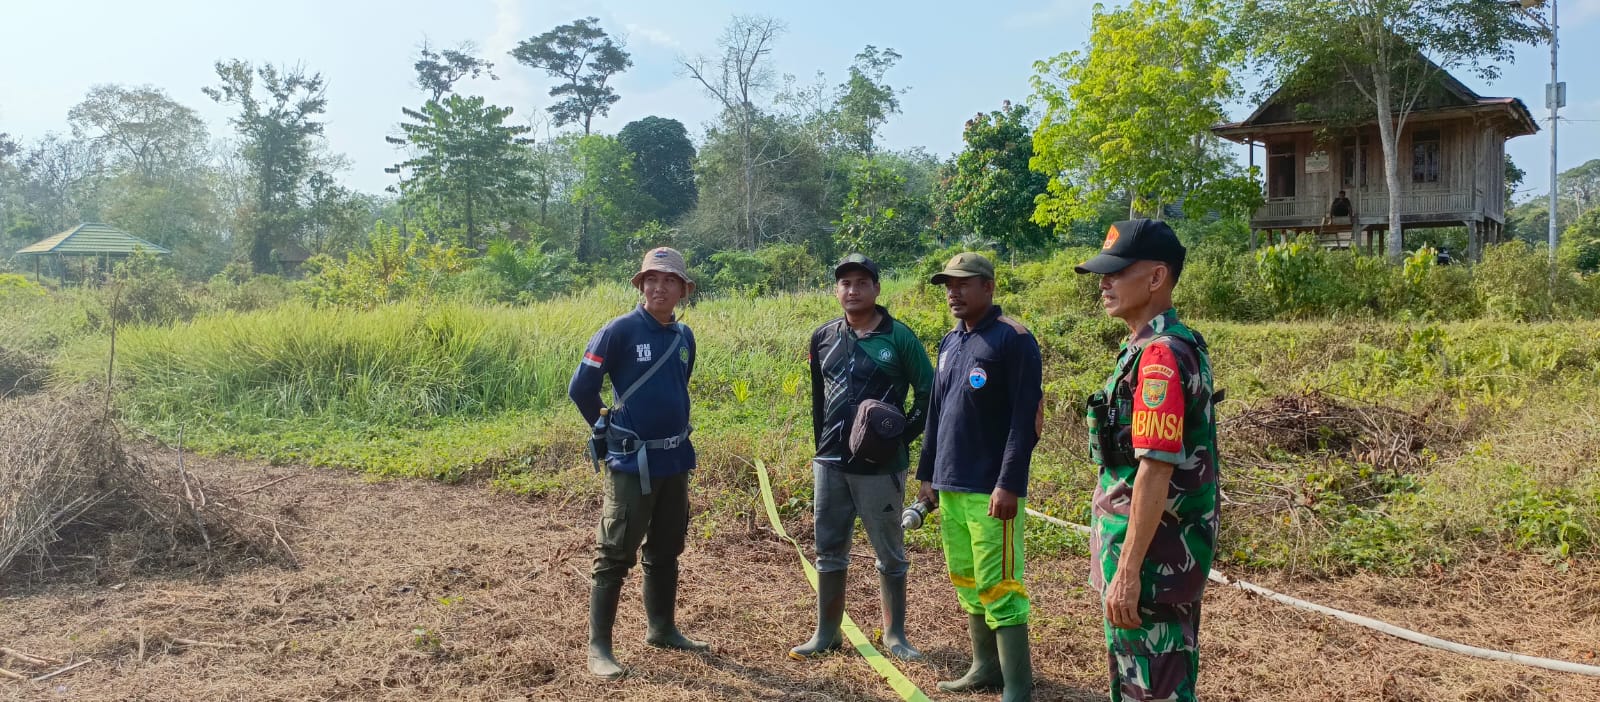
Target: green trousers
point(1160, 660)
point(985, 558)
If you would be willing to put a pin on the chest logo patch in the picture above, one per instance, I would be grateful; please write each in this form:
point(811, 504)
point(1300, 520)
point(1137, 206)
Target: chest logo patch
point(1153, 392)
point(978, 378)
point(643, 352)
point(885, 354)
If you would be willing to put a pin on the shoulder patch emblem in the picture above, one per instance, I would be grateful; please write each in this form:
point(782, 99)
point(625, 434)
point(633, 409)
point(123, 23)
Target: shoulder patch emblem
point(978, 378)
point(683, 354)
point(1153, 392)
point(1156, 370)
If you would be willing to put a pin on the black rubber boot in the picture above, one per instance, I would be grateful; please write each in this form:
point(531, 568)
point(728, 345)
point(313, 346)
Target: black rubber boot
point(985, 672)
point(830, 612)
point(660, 610)
point(1016, 663)
point(893, 589)
point(602, 616)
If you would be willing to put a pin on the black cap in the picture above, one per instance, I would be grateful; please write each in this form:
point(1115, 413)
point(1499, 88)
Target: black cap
point(856, 260)
point(1135, 240)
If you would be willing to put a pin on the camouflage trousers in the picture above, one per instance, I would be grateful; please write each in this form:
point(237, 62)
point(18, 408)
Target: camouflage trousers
point(1157, 662)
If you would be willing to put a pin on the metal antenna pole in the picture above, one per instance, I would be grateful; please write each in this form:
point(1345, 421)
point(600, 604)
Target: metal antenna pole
point(1553, 96)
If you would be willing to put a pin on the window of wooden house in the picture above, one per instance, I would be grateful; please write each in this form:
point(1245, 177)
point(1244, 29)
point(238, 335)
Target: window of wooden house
point(1353, 163)
point(1281, 167)
point(1425, 156)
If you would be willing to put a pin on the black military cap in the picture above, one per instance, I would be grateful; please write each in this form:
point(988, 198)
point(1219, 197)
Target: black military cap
point(853, 261)
point(1136, 240)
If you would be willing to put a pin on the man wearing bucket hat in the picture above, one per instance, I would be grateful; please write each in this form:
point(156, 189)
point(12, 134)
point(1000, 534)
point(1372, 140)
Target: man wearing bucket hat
point(983, 423)
point(863, 365)
point(1153, 433)
point(649, 357)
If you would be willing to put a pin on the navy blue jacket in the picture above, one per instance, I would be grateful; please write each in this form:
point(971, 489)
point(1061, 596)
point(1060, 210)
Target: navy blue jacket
point(624, 349)
point(986, 414)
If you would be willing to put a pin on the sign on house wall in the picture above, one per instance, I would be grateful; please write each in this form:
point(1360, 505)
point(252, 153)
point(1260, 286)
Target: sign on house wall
point(1317, 162)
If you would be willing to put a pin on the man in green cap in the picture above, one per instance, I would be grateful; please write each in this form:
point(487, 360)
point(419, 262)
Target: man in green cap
point(1153, 432)
point(863, 362)
point(982, 426)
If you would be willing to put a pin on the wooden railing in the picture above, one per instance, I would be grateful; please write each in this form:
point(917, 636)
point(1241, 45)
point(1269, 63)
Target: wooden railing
point(1370, 204)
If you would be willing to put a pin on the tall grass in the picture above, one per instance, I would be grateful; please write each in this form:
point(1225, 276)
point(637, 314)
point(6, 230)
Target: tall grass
point(451, 390)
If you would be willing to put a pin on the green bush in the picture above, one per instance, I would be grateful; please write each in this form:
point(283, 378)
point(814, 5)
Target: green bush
point(389, 268)
point(236, 289)
point(146, 291)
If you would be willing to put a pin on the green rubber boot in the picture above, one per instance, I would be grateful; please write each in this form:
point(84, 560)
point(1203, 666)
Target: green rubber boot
point(602, 616)
point(985, 672)
point(893, 589)
point(661, 610)
point(1016, 663)
point(830, 612)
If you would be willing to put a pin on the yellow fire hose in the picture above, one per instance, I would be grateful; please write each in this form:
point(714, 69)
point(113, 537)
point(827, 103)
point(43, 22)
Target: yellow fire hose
point(907, 690)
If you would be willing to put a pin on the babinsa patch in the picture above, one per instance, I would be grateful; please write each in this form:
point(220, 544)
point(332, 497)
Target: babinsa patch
point(978, 378)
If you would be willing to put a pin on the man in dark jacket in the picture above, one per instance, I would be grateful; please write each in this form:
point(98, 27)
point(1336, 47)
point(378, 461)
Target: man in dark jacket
point(649, 357)
point(982, 426)
point(864, 355)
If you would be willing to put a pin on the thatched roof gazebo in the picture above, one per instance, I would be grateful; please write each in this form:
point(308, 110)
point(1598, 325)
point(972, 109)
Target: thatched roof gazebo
point(90, 243)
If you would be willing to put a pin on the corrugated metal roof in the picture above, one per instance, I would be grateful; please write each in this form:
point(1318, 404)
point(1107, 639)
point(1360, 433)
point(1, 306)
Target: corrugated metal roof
point(91, 238)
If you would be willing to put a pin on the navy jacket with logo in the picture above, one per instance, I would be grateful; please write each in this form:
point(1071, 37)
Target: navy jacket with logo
point(986, 412)
point(624, 349)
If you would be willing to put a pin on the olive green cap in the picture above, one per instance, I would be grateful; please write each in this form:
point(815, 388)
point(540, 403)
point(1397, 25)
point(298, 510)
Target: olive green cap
point(965, 265)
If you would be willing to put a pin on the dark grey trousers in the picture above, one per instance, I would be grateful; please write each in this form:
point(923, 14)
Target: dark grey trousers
point(628, 519)
point(840, 498)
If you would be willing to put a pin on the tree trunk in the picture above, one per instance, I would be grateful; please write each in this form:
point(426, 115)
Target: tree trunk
point(749, 186)
point(1389, 136)
point(261, 250)
point(585, 247)
point(472, 229)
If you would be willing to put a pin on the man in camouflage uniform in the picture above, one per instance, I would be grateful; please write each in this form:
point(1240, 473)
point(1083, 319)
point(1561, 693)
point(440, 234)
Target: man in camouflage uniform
point(1153, 433)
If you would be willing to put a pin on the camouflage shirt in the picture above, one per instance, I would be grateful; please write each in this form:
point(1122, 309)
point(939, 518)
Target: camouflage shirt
point(1161, 391)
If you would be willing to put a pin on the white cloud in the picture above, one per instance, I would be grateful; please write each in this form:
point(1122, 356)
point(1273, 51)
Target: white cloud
point(652, 35)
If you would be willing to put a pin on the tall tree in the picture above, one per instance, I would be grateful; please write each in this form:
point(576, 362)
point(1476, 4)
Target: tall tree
point(59, 183)
point(990, 188)
point(466, 159)
point(738, 79)
point(582, 57)
point(141, 130)
point(663, 164)
point(1388, 53)
point(1131, 115)
point(277, 127)
point(865, 101)
point(552, 166)
point(158, 182)
point(439, 71)
point(884, 215)
point(609, 189)
point(1580, 186)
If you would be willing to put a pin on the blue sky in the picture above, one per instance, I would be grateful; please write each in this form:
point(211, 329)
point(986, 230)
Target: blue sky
point(959, 58)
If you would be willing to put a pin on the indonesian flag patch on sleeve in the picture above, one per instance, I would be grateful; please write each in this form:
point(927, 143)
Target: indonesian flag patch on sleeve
point(592, 359)
point(1158, 402)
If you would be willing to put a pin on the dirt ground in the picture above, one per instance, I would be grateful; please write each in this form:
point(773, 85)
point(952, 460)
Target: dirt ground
point(422, 591)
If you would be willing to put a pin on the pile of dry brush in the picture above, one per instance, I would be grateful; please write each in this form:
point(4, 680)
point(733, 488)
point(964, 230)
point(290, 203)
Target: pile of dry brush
point(72, 499)
point(1383, 437)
